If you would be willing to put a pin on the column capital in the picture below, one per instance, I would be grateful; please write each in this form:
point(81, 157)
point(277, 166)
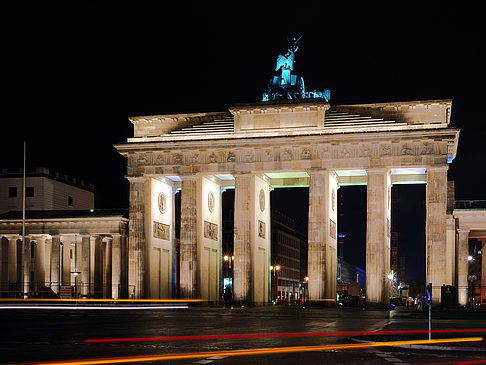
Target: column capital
point(437, 168)
point(463, 231)
point(317, 170)
point(137, 179)
point(188, 177)
point(377, 170)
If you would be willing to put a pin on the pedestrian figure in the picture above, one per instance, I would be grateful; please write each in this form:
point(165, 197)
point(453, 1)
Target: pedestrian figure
point(227, 296)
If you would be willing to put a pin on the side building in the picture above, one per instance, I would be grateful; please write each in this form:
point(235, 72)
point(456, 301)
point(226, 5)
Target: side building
point(69, 249)
point(44, 190)
point(286, 266)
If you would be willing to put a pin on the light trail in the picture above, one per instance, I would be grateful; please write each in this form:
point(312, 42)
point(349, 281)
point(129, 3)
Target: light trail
point(72, 307)
point(264, 351)
point(271, 335)
point(103, 300)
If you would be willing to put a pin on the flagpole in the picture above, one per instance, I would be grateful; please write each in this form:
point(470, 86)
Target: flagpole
point(24, 259)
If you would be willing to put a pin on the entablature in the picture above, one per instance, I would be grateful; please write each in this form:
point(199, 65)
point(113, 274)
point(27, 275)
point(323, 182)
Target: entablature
point(365, 150)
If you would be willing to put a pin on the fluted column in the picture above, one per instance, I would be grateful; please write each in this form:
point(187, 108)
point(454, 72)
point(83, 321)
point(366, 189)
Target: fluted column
point(55, 264)
point(462, 266)
point(378, 236)
point(12, 261)
point(116, 267)
point(436, 204)
point(136, 269)
point(107, 257)
point(188, 246)
point(4, 266)
point(483, 275)
point(124, 266)
point(322, 236)
point(40, 262)
point(85, 265)
point(242, 248)
point(26, 266)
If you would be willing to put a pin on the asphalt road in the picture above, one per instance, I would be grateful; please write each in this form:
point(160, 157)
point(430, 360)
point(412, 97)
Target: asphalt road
point(48, 335)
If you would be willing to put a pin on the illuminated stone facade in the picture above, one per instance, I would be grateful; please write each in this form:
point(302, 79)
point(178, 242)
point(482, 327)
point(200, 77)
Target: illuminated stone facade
point(468, 220)
point(255, 148)
point(82, 252)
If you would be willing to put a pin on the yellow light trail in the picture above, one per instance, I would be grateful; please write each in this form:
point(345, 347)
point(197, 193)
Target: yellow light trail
point(264, 351)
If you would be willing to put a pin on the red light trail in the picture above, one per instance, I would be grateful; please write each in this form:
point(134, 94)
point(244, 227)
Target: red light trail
point(274, 335)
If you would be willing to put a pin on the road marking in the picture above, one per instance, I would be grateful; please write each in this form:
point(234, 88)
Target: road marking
point(203, 362)
point(217, 357)
point(389, 357)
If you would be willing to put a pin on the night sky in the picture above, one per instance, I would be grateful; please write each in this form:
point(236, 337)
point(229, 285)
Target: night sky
point(75, 73)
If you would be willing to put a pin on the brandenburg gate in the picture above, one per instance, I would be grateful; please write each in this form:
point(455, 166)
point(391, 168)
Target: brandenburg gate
point(274, 144)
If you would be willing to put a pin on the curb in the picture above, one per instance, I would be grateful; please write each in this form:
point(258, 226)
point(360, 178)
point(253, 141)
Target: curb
point(430, 347)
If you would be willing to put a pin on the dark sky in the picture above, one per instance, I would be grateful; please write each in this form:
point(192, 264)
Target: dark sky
point(74, 73)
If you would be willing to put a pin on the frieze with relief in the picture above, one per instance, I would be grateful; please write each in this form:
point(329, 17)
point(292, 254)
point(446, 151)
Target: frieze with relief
point(213, 158)
point(385, 150)
point(365, 151)
point(268, 155)
point(177, 158)
point(306, 153)
point(161, 231)
point(210, 230)
point(231, 157)
point(323, 151)
point(286, 155)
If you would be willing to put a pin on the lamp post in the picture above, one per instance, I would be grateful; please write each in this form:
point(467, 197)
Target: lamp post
point(393, 290)
point(227, 270)
point(275, 270)
point(305, 287)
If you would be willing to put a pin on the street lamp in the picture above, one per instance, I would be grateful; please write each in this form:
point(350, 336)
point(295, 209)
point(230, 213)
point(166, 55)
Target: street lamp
point(275, 270)
point(305, 286)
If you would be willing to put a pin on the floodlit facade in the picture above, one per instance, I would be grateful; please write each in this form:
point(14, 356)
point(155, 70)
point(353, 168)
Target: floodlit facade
point(44, 191)
point(278, 144)
point(71, 254)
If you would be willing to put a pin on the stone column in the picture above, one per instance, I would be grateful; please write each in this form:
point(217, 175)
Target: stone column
point(175, 268)
point(322, 236)
point(4, 266)
point(12, 261)
point(26, 266)
point(107, 268)
point(97, 266)
point(124, 266)
point(55, 264)
point(462, 266)
point(242, 249)
point(188, 245)
point(483, 275)
point(85, 265)
point(40, 262)
point(378, 236)
point(47, 260)
point(435, 234)
point(136, 241)
point(116, 267)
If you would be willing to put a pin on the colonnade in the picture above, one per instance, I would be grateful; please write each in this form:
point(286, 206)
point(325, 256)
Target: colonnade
point(92, 265)
point(200, 251)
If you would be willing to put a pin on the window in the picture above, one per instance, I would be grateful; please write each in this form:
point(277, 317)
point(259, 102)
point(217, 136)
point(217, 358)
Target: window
point(29, 191)
point(12, 192)
point(70, 201)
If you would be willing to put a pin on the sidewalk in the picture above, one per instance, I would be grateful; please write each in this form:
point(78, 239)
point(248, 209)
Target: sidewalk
point(476, 346)
point(442, 317)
